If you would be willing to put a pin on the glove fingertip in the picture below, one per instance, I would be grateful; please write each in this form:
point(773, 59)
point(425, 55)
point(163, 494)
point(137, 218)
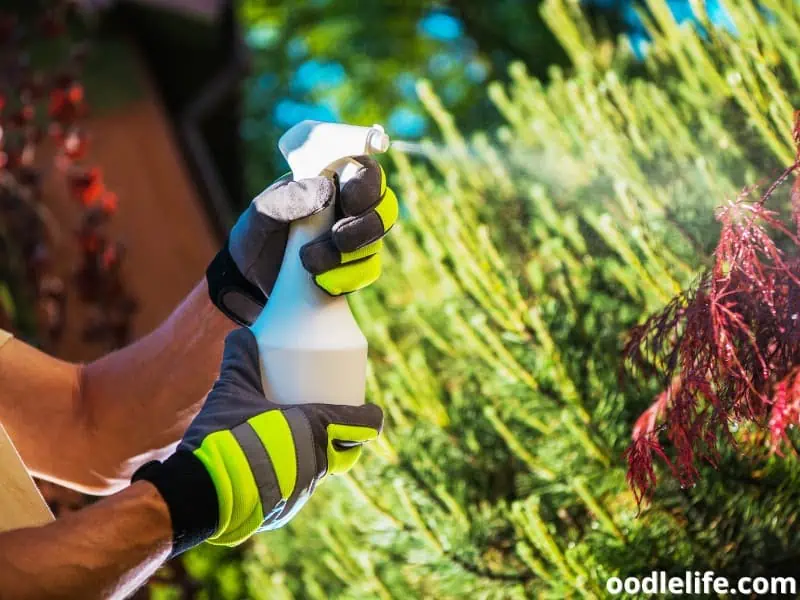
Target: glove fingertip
point(363, 191)
point(320, 191)
point(351, 233)
point(369, 416)
point(297, 199)
point(373, 416)
point(241, 355)
point(240, 339)
point(320, 255)
point(341, 462)
point(367, 161)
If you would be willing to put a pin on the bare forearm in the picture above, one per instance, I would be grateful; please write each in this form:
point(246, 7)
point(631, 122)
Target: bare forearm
point(106, 550)
point(90, 427)
point(139, 400)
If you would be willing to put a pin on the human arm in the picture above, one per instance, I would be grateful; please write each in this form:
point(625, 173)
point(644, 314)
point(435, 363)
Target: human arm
point(103, 551)
point(91, 426)
point(218, 486)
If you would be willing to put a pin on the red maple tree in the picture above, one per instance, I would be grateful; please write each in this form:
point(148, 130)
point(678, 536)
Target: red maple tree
point(729, 347)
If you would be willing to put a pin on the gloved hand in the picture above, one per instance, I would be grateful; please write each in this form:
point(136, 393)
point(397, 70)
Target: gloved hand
point(247, 464)
point(343, 260)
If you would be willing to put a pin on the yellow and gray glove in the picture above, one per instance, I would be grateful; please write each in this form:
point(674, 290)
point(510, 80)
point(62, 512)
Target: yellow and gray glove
point(246, 464)
point(342, 260)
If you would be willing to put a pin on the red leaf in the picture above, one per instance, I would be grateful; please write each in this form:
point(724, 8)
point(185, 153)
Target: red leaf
point(730, 346)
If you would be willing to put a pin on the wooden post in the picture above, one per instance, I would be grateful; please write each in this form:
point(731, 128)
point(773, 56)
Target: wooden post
point(21, 504)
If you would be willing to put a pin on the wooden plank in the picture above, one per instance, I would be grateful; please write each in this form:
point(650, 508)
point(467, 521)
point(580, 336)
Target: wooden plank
point(21, 504)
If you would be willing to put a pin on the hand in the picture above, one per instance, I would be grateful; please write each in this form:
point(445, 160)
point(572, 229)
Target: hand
point(259, 461)
point(342, 260)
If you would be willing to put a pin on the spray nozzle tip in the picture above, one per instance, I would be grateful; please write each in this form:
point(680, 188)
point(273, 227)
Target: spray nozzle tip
point(377, 141)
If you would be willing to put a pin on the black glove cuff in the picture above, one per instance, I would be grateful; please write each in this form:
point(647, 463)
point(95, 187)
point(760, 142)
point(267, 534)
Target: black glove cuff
point(190, 495)
point(231, 292)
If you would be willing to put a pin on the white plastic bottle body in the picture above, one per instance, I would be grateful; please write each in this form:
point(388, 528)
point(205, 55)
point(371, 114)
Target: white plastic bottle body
point(310, 347)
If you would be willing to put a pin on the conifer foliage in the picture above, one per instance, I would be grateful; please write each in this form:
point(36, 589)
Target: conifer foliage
point(498, 335)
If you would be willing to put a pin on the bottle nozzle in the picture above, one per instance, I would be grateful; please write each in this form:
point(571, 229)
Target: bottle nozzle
point(311, 146)
point(377, 141)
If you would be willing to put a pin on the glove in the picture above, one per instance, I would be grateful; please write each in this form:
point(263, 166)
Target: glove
point(246, 464)
point(342, 260)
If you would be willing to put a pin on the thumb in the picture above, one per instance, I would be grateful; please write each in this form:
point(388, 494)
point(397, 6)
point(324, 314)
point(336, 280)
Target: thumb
point(366, 416)
point(351, 427)
point(346, 430)
point(240, 361)
point(292, 200)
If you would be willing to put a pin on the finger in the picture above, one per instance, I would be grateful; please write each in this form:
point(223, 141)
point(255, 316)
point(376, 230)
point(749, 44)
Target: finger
point(366, 415)
point(350, 277)
point(363, 190)
point(322, 254)
point(288, 200)
point(350, 237)
point(240, 359)
point(348, 433)
point(352, 233)
point(341, 461)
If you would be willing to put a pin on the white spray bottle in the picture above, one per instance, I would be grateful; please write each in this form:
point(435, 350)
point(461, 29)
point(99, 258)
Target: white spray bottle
point(310, 346)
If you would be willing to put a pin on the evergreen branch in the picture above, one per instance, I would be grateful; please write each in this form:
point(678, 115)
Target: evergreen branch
point(523, 577)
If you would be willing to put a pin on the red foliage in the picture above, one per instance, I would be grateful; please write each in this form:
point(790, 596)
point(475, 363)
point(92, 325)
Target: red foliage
point(33, 103)
point(66, 102)
point(785, 411)
point(729, 348)
point(86, 185)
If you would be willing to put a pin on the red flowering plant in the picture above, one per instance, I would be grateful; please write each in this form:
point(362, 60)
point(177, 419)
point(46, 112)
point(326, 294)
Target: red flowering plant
point(728, 348)
point(42, 116)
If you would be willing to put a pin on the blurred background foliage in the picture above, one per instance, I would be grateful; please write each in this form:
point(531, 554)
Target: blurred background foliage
point(551, 203)
point(360, 61)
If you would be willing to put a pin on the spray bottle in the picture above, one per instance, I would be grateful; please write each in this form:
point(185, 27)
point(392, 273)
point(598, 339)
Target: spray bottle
point(310, 346)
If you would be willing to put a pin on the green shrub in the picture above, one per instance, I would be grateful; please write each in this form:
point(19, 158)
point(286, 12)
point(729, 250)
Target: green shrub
point(495, 334)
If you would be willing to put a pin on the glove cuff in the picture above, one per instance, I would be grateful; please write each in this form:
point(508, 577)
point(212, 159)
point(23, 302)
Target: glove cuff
point(190, 495)
point(239, 299)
